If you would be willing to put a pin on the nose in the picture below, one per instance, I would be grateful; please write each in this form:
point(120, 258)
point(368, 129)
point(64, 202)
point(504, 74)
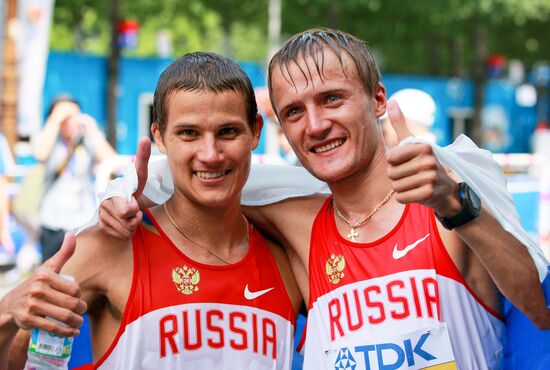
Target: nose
point(317, 125)
point(210, 150)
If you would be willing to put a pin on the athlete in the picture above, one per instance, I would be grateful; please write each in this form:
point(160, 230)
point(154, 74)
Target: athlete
point(197, 286)
point(403, 265)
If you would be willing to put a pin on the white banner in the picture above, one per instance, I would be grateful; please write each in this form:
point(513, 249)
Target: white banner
point(35, 17)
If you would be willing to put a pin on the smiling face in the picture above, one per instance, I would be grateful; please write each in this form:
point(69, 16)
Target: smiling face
point(327, 116)
point(208, 141)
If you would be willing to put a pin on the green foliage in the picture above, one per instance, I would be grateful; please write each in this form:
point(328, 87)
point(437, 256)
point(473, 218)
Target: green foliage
point(83, 25)
point(406, 36)
point(80, 25)
point(249, 44)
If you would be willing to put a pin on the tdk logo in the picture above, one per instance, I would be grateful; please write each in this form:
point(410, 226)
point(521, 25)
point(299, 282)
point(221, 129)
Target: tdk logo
point(344, 360)
point(389, 356)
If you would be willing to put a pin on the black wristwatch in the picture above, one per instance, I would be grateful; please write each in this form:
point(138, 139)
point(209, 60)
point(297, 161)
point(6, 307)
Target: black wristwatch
point(471, 208)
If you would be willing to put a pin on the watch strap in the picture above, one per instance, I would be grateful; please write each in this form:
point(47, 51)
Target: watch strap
point(469, 211)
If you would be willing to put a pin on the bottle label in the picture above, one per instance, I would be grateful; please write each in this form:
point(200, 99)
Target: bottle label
point(49, 344)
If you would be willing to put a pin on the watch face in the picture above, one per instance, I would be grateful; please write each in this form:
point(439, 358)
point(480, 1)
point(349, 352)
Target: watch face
point(471, 208)
point(474, 200)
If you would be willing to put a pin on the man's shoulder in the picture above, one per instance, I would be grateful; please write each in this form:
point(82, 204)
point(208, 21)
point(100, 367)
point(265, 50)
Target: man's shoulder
point(305, 206)
point(294, 215)
point(95, 241)
point(98, 260)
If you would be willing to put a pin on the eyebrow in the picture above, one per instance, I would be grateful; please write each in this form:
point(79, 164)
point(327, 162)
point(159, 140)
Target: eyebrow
point(185, 125)
point(199, 125)
point(320, 92)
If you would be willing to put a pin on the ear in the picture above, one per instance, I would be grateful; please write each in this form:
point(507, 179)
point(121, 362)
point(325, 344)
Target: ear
point(380, 99)
point(158, 137)
point(257, 130)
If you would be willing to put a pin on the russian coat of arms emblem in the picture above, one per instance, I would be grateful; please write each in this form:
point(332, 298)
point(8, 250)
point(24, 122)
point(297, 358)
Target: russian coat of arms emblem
point(335, 268)
point(186, 279)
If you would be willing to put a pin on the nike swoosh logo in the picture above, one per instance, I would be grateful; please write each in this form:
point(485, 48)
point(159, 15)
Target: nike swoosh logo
point(397, 254)
point(253, 295)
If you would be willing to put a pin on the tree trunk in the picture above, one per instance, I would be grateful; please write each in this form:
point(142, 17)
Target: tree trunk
point(433, 55)
point(456, 48)
point(227, 49)
point(113, 69)
point(480, 57)
point(273, 28)
point(10, 77)
point(78, 37)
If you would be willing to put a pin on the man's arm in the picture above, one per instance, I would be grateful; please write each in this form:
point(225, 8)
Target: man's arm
point(509, 264)
point(91, 133)
point(103, 267)
point(417, 176)
point(45, 141)
point(45, 293)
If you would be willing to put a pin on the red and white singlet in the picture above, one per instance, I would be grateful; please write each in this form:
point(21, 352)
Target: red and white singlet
point(396, 303)
point(182, 314)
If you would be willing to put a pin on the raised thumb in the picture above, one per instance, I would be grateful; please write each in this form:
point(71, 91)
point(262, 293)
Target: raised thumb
point(141, 162)
point(398, 121)
point(58, 260)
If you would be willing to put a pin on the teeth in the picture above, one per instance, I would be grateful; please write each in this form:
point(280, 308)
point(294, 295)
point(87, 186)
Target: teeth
point(329, 146)
point(209, 175)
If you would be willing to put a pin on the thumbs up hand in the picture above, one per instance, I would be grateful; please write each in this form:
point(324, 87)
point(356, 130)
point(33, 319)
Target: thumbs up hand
point(416, 174)
point(46, 294)
point(142, 159)
point(120, 217)
point(397, 120)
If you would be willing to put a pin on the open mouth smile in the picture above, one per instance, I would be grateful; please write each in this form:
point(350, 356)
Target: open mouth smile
point(210, 175)
point(327, 147)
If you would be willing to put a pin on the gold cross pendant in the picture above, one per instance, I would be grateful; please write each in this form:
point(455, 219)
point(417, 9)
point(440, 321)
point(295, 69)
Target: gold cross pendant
point(352, 235)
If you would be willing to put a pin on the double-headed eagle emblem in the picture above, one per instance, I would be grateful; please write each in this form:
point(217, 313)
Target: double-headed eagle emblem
point(186, 279)
point(335, 268)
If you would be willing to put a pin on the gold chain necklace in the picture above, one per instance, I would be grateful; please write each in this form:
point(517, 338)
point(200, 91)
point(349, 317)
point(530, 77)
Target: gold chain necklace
point(206, 249)
point(353, 234)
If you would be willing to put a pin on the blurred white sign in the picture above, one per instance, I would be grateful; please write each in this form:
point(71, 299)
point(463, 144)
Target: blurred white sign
point(35, 18)
point(526, 95)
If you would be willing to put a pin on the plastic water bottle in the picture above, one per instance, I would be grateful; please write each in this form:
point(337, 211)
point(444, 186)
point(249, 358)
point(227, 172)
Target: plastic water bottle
point(48, 350)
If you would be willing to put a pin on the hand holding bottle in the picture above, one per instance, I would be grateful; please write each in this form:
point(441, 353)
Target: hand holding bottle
point(47, 294)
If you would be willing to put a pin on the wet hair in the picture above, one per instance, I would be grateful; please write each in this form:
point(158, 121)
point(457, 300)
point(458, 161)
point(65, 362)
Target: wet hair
point(198, 72)
point(312, 43)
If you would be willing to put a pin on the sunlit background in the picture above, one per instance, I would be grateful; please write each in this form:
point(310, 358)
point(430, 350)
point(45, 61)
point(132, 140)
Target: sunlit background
point(485, 63)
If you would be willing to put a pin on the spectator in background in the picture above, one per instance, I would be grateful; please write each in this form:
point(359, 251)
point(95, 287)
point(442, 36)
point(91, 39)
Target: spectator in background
point(271, 122)
point(418, 108)
point(286, 150)
point(70, 144)
point(7, 248)
point(271, 127)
